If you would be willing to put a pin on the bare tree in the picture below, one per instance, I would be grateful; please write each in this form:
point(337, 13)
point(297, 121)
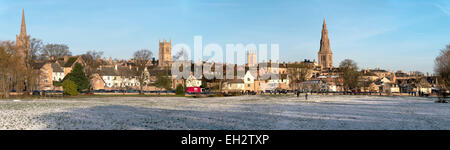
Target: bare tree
point(351, 75)
point(93, 62)
point(36, 46)
point(7, 68)
point(442, 68)
point(141, 60)
point(30, 74)
point(8, 46)
point(54, 51)
point(298, 73)
point(180, 55)
point(418, 73)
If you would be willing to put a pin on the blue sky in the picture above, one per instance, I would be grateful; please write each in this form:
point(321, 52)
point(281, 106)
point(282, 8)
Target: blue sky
point(392, 34)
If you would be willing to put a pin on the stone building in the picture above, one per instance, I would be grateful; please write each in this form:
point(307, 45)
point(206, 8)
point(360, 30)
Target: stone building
point(325, 54)
point(249, 80)
point(233, 85)
point(252, 59)
point(68, 63)
point(165, 54)
point(192, 81)
point(45, 76)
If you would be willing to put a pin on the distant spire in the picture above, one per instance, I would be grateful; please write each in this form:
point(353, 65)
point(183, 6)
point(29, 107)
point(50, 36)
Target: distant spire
point(23, 29)
point(325, 42)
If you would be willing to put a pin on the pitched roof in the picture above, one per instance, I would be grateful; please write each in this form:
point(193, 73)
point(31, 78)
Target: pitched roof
point(57, 68)
point(154, 72)
point(235, 81)
point(369, 74)
point(70, 62)
point(38, 65)
point(107, 71)
point(111, 71)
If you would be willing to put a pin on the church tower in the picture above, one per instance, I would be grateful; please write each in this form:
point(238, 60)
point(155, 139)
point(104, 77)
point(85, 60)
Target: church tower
point(325, 54)
point(23, 41)
point(165, 54)
point(252, 59)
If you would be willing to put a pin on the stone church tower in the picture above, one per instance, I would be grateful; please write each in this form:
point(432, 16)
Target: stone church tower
point(325, 54)
point(252, 59)
point(165, 54)
point(23, 41)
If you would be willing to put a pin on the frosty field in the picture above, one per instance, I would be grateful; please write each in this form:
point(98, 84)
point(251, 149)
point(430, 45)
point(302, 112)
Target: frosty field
point(229, 113)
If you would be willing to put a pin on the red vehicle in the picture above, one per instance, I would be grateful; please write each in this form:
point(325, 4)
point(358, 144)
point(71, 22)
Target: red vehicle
point(194, 90)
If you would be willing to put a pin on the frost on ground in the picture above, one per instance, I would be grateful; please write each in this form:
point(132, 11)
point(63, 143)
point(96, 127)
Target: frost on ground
point(229, 113)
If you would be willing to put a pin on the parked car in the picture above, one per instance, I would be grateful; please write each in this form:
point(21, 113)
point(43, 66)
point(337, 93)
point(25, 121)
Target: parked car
point(133, 91)
point(37, 92)
point(172, 91)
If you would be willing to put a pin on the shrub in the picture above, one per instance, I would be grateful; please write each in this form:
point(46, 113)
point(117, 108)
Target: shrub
point(79, 77)
point(180, 91)
point(57, 83)
point(70, 88)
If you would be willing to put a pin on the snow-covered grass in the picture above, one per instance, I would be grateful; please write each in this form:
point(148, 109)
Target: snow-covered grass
point(229, 113)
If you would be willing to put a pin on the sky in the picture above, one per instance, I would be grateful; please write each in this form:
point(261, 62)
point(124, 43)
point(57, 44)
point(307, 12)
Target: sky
point(391, 34)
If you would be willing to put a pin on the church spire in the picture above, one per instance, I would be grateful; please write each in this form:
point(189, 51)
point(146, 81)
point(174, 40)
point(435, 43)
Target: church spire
point(325, 42)
point(23, 41)
point(325, 54)
point(23, 29)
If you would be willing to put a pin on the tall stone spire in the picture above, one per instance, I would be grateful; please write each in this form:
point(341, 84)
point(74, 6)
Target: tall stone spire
point(325, 42)
point(23, 41)
point(23, 29)
point(325, 54)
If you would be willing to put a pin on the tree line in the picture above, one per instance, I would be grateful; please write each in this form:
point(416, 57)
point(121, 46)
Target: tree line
point(15, 76)
point(23, 79)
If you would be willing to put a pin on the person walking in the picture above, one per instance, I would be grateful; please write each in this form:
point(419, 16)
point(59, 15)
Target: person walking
point(306, 96)
point(298, 94)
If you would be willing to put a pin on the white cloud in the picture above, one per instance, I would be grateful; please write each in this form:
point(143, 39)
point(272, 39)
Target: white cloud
point(444, 7)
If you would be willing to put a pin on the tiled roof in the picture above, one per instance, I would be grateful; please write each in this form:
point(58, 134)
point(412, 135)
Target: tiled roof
point(111, 71)
point(38, 65)
point(70, 61)
point(235, 81)
point(57, 68)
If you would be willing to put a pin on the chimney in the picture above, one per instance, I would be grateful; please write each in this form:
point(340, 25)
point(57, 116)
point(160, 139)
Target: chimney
point(66, 58)
point(110, 60)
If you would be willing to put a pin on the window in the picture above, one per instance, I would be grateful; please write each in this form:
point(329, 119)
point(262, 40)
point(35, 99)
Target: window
point(248, 85)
